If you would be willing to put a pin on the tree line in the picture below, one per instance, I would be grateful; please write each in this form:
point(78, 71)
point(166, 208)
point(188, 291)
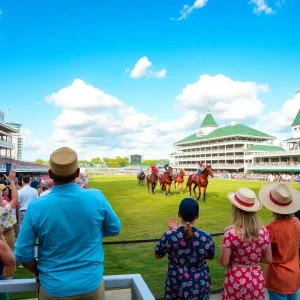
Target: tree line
point(117, 162)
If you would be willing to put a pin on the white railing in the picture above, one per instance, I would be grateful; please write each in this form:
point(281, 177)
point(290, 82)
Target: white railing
point(199, 152)
point(278, 153)
point(272, 166)
point(6, 144)
point(214, 166)
point(26, 169)
point(139, 289)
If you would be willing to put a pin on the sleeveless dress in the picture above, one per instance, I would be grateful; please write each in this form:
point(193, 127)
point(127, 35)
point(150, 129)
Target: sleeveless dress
point(245, 283)
point(188, 274)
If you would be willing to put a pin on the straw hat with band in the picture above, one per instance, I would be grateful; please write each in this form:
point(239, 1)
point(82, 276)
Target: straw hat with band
point(3, 186)
point(280, 198)
point(245, 199)
point(63, 162)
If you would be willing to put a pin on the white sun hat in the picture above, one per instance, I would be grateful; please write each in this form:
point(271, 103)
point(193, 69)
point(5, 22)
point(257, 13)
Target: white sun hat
point(245, 199)
point(280, 198)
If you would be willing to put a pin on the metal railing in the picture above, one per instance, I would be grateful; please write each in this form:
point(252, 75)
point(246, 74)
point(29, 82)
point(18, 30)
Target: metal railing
point(139, 289)
point(148, 271)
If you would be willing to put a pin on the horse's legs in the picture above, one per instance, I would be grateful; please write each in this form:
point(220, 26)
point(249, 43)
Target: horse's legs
point(199, 187)
point(194, 189)
point(175, 184)
point(148, 183)
point(204, 194)
point(170, 190)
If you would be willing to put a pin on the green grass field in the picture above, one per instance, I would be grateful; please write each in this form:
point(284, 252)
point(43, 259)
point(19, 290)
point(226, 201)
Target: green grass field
point(145, 216)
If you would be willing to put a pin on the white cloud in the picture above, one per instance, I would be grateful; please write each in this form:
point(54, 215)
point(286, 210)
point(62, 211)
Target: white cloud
point(262, 6)
point(187, 10)
point(142, 69)
point(80, 96)
point(280, 121)
point(160, 74)
point(230, 100)
point(33, 148)
point(121, 130)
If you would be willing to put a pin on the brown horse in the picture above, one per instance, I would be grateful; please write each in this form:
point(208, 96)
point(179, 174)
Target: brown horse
point(166, 181)
point(179, 179)
point(151, 179)
point(141, 177)
point(201, 181)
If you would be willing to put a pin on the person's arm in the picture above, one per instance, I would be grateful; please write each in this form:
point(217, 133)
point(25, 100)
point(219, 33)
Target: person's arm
point(267, 257)
point(6, 255)
point(211, 251)
point(111, 224)
point(161, 248)
point(14, 194)
point(226, 247)
point(225, 256)
point(24, 247)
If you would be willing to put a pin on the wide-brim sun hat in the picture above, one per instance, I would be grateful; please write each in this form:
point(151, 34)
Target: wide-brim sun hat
point(245, 199)
point(2, 186)
point(280, 198)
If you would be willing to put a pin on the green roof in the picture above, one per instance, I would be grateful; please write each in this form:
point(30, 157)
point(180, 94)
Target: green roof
point(209, 121)
point(297, 119)
point(293, 140)
point(264, 148)
point(235, 130)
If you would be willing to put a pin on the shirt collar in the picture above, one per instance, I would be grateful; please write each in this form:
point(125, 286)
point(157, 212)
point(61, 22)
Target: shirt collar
point(67, 186)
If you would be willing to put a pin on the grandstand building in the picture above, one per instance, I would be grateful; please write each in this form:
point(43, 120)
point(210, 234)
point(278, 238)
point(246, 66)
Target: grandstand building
point(17, 141)
point(6, 138)
point(236, 147)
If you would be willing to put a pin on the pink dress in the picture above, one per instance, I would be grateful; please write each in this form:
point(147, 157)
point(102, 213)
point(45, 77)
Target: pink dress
point(246, 283)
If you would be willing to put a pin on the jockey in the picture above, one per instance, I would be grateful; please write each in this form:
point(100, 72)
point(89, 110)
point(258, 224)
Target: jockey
point(200, 168)
point(153, 169)
point(166, 166)
point(141, 170)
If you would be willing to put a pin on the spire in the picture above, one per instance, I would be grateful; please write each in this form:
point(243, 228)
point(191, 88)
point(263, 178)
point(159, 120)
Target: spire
point(297, 119)
point(209, 121)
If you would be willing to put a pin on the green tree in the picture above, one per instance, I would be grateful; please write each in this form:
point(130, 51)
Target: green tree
point(40, 162)
point(96, 160)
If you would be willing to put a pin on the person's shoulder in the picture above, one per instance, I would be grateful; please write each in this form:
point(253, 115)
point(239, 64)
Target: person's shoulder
point(202, 234)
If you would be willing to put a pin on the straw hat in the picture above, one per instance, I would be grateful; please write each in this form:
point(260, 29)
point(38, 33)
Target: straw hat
point(280, 198)
point(245, 199)
point(63, 162)
point(2, 186)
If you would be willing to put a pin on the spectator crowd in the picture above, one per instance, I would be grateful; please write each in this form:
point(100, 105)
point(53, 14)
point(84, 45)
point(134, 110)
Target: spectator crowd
point(17, 164)
point(69, 223)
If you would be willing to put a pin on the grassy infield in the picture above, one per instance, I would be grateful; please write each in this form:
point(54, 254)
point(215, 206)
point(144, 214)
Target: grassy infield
point(145, 216)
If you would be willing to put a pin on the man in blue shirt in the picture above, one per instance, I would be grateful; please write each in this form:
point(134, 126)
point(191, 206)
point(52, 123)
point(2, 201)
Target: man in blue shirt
point(69, 223)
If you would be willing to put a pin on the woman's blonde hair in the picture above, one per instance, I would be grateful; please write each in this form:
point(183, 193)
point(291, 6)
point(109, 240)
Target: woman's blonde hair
point(248, 223)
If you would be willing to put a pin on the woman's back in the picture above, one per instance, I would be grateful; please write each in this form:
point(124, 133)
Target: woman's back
point(246, 252)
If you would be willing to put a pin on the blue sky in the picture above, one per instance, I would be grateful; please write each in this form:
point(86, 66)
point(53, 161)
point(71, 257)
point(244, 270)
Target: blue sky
point(254, 47)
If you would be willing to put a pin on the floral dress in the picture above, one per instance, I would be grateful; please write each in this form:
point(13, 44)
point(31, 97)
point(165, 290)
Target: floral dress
point(188, 274)
point(246, 283)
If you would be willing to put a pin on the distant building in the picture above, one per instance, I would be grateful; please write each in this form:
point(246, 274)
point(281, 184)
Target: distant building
point(237, 148)
point(135, 159)
point(17, 141)
point(6, 137)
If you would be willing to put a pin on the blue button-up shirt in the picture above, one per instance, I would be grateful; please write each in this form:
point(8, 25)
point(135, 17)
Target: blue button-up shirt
point(69, 223)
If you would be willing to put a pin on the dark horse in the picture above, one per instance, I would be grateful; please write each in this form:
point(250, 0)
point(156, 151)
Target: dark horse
point(179, 179)
point(151, 179)
point(166, 181)
point(141, 177)
point(201, 181)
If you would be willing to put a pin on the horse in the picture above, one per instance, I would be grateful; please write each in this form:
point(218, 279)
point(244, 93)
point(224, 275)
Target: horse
point(141, 177)
point(151, 179)
point(166, 181)
point(179, 179)
point(201, 181)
